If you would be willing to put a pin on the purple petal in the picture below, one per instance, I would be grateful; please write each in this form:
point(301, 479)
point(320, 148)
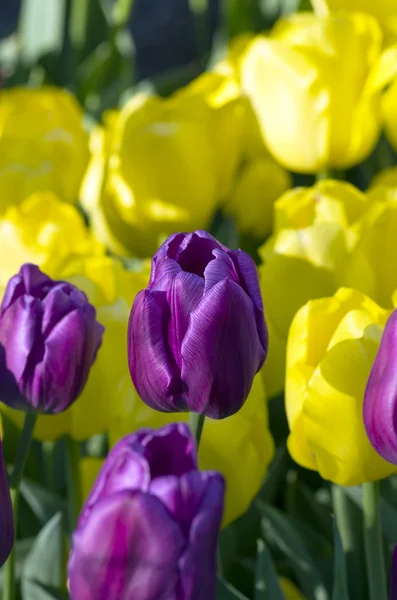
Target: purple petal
point(170, 450)
point(62, 373)
point(30, 280)
point(167, 250)
point(184, 293)
point(248, 275)
point(196, 251)
point(20, 334)
point(221, 351)
point(152, 365)
point(380, 399)
point(129, 548)
point(6, 514)
point(222, 267)
point(198, 565)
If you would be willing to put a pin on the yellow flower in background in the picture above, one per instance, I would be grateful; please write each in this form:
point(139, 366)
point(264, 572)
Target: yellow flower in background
point(385, 178)
point(43, 146)
point(332, 344)
point(328, 201)
point(258, 185)
point(111, 289)
point(385, 11)
point(315, 86)
point(241, 447)
point(372, 268)
point(298, 265)
point(162, 165)
point(44, 231)
point(389, 110)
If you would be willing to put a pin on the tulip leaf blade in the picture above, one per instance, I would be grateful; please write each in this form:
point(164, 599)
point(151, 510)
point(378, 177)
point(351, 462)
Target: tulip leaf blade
point(43, 503)
point(34, 590)
point(340, 589)
point(225, 591)
point(44, 564)
point(279, 530)
point(267, 586)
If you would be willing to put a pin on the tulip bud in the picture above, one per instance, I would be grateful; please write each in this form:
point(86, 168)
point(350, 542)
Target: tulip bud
point(149, 528)
point(6, 514)
point(49, 339)
point(380, 399)
point(197, 334)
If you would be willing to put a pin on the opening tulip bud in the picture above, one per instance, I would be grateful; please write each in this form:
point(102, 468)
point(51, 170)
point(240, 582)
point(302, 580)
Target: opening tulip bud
point(149, 528)
point(6, 514)
point(197, 334)
point(49, 338)
point(380, 400)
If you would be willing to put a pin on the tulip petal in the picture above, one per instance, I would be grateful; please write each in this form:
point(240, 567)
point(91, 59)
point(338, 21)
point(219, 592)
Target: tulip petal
point(380, 399)
point(221, 267)
point(30, 280)
point(196, 251)
point(170, 451)
point(200, 557)
point(129, 550)
point(152, 366)
point(221, 351)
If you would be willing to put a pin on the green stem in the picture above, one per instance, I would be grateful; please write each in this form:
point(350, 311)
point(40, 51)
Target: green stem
point(350, 537)
point(75, 496)
point(48, 449)
point(373, 542)
point(121, 12)
point(329, 174)
point(14, 482)
point(196, 424)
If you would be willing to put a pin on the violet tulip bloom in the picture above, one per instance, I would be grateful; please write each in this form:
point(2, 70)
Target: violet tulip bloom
point(6, 514)
point(149, 528)
point(380, 399)
point(49, 338)
point(197, 334)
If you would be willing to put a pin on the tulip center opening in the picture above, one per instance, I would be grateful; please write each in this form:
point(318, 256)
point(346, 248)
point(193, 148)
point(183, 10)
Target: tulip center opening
point(197, 254)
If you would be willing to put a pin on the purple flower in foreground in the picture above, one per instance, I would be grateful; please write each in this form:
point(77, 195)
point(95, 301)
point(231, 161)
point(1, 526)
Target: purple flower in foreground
point(197, 334)
point(6, 514)
point(380, 399)
point(49, 338)
point(149, 528)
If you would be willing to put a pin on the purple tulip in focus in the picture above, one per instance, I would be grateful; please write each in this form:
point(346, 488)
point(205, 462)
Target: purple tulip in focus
point(197, 334)
point(6, 514)
point(49, 338)
point(149, 528)
point(380, 400)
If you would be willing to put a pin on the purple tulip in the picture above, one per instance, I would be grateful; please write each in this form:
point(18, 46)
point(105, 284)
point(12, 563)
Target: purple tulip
point(49, 338)
point(149, 528)
point(380, 399)
point(197, 334)
point(6, 514)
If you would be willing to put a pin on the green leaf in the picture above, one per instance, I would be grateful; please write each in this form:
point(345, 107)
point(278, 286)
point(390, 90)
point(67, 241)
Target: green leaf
point(43, 503)
point(275, 475)
point(340, 590)
point(23, 548)
point(388, 513)
point(45, 562)
point(225, 591)
point(34, 590)
point(267, 586)
point(280, 531)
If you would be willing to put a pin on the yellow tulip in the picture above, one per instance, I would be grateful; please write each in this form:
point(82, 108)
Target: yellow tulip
point(389, 110)
point(385, 11)
point(43, 146)
point(241, 447)
point(44, 231)
point(371, 267)
point(332, 344)
point(260, 182)
point(328, 201)
point(298, 265)
point(315, 85)
point(111, 289)
point(385, 178)
point(162, 165)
